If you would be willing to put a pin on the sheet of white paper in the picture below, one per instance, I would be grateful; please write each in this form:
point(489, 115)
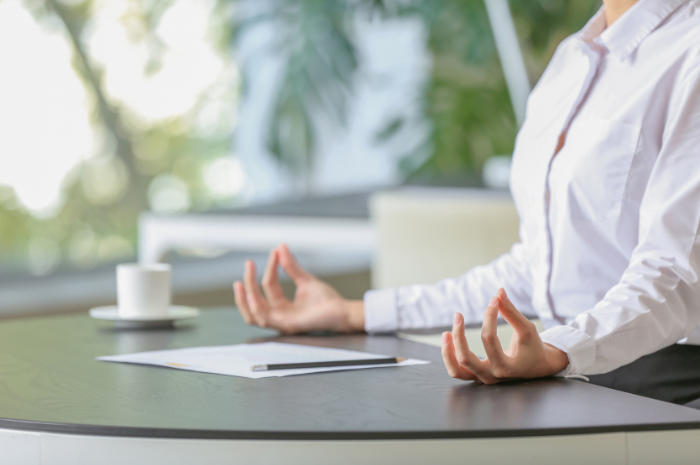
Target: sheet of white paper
point(236, 360)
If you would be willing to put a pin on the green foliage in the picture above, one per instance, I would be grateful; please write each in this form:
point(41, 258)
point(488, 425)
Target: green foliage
point(465, 100)
point(543, 24)
point(313, 41)
point(103, 196)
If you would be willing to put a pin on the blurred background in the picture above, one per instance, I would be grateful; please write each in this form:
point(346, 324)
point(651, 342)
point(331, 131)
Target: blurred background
point(113, 108)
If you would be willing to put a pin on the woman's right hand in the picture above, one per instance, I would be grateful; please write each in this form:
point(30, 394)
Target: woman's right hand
point(316, 305)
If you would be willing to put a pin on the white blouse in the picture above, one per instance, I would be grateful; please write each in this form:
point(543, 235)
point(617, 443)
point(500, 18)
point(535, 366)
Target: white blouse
point(609, 251)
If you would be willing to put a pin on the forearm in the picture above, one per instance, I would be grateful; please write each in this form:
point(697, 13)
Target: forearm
point(653, 306)
point(636, 318)
point(432, 306)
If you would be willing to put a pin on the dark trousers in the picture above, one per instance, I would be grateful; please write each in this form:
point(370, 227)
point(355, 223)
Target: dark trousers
point(671, 374)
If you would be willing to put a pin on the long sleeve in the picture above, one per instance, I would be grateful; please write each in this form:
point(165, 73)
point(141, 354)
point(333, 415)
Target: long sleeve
point(657, 300)
point(431, 306)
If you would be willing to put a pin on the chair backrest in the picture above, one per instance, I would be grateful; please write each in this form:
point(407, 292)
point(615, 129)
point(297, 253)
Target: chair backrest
point(424, 235)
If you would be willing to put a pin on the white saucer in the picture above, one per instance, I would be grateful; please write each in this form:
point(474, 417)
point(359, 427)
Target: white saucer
point(175, 313)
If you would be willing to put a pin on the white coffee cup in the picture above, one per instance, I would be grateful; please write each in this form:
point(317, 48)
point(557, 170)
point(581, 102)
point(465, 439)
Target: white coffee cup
point(143, 290)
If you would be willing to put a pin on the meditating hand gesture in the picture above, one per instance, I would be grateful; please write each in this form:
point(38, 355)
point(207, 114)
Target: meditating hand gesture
point(316, 305)
point(527, 357)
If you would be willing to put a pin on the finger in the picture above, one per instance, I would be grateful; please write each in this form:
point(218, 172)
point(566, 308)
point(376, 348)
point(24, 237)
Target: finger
point(454, 369)
point(512, 316)
point(498, 361)
point(270, 281)
point(256, 302)
point(460, 339)
point(465, 357)
point(290, 265)
point(241, 303)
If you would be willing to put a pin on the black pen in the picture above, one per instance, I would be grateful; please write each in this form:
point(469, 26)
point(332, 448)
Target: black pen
point(336, 363)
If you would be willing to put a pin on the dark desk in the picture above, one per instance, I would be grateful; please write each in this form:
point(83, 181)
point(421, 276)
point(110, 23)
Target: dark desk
point(53, 390)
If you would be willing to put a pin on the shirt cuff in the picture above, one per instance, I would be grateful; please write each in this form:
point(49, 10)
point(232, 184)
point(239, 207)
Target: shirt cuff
point(380, 311)
point(579, 346)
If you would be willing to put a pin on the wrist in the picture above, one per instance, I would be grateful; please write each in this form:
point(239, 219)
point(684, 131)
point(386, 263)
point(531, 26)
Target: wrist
point(557, 359)
point(355, 315)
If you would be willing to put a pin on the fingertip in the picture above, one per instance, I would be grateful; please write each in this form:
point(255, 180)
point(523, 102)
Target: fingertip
point(272, 261)
point(502, 295)
point(492, 310)
point(457, 318)
point(446, 338)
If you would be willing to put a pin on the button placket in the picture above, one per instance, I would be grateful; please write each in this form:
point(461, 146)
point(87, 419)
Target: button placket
point(544, 302)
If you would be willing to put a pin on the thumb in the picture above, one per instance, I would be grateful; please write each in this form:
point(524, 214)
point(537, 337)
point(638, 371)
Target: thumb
point(512, 316)
point(291, 266)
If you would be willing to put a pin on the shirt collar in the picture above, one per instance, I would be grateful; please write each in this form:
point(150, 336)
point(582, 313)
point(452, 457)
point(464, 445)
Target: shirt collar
point(595, 27)
point(625, 34)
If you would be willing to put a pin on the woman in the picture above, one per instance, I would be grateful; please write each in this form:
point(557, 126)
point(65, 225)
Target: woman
point(606, 180)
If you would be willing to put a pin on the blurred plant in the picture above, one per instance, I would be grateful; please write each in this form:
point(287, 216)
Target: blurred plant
point(141, 163)
point(183, 162)
point(466, 99)
point(313, 40)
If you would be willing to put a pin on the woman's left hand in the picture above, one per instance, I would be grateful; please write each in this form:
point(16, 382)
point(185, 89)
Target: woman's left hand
point(528, 356)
